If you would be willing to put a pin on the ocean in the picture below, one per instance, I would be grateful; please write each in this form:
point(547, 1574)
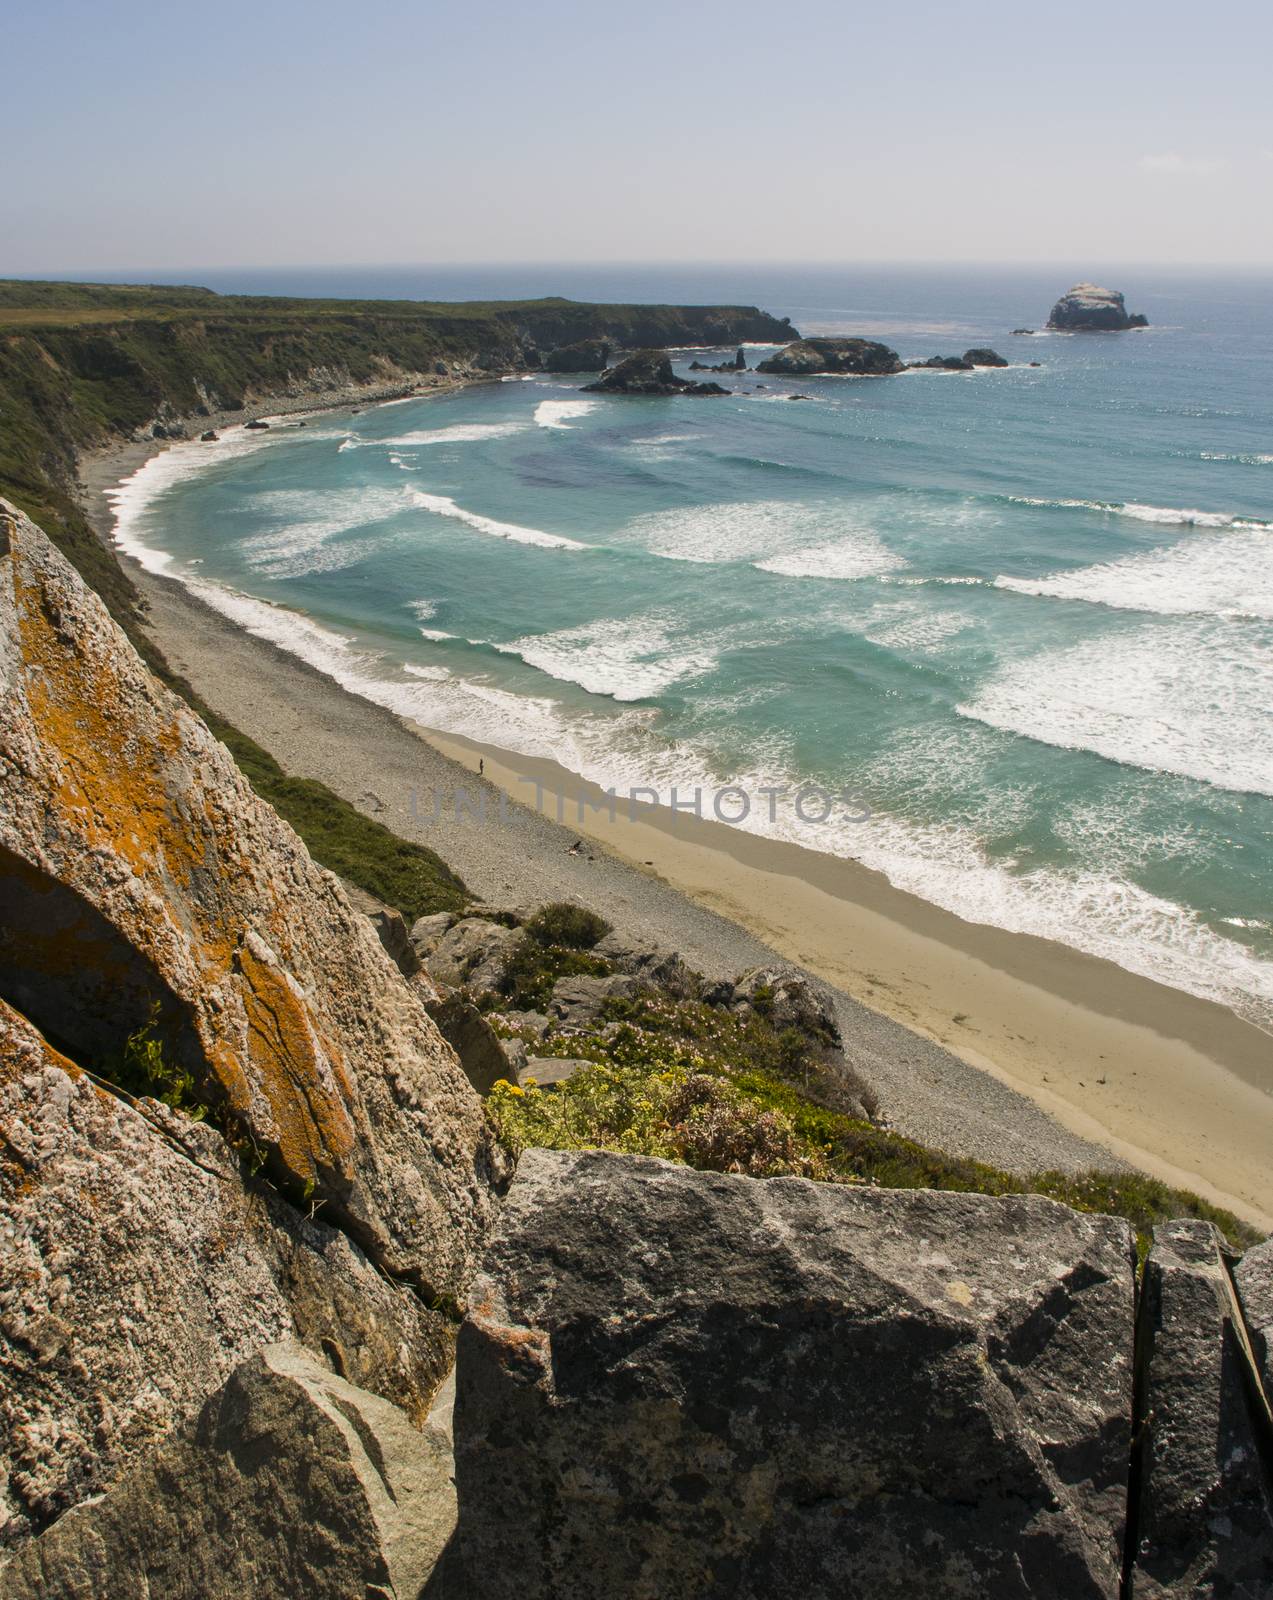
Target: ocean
point(1009, 633)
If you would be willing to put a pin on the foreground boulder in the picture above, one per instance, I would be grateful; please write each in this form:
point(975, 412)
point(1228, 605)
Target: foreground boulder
point(1205, 1518)
point(1253, 1278)
point(289, 1482)
point(857, 357)
point(1087, 308)
point(648, 372)
point(138, 1268)
point(683, 1383)
point(142, 881)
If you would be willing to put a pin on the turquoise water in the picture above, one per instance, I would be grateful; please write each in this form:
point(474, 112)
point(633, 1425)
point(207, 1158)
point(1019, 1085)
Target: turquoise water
point(1023, 618)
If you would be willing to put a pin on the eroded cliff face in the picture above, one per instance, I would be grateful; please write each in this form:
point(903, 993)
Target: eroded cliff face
point(138, 869)
point(345, 1178)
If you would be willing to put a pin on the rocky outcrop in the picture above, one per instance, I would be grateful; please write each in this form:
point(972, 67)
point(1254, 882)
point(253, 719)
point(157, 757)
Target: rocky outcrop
point(1253, 1279)
point(856, 357)
point(1087, 308)
point(589, 355)
point(1204, 1514)
point(473, 954)
point(648, 372)
point(682, 1383)
point(142, 882)
point(289, 1482)
point(139, 1267)
point(978, 357)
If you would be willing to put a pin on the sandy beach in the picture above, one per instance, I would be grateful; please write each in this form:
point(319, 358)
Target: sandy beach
point(1008, 1047)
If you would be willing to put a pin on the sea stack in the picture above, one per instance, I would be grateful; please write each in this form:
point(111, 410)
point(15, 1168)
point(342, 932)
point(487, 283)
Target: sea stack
point(1087, 308)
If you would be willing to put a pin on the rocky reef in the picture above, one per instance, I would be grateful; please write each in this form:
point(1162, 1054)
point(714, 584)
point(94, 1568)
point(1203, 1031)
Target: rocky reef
point(648, 372)
point(1087, 308)
point(809, 357)
point(968, 362)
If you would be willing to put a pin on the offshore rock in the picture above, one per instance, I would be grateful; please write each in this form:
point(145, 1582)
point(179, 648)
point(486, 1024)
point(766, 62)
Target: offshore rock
point(685, 1383)
point(138, 1268)
point(809, 357)
point(648, 372)
point(289, 1482)
point(143, 881)
point(1088, 308)
point(1205, 1523)
point(981, 356)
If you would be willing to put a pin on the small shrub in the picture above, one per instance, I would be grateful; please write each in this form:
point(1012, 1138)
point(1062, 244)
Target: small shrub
point(532, 969)
point(573, 926)
point(141, 1069)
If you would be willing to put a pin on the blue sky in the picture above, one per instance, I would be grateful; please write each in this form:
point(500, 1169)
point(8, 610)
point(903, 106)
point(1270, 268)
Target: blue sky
point(153, 136)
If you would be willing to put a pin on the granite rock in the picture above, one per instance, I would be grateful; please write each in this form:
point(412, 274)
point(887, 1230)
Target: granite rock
point(1087, 308)
point(290, 1481)
point(141, 876)
point(683, 1383)
point(1204, 1519)
point(857, 357)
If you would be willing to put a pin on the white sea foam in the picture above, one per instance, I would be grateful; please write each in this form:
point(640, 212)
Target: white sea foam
point(347, 443)
point(132, 498)
point(442, 506)
point(457, 433)
point(774, 535)
point(424, 608)
point(1248, 459)
point(631, 658)
point(1228, 575)
point(559, 413)
point(313, 522)
point(1168, 515)
point(1193, 699)
point(859, 554)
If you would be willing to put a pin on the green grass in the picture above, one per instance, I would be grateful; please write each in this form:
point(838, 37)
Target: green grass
point(737, 1076)
point(408, 876)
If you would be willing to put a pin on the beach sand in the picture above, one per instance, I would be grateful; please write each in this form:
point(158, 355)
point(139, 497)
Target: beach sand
point(1011, 1048)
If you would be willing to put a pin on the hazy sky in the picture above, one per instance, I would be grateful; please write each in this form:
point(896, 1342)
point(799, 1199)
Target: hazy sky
point(274, 132)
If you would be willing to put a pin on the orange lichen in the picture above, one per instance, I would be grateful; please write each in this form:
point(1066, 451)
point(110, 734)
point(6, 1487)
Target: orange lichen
point(118, 781)
point(292, 1060)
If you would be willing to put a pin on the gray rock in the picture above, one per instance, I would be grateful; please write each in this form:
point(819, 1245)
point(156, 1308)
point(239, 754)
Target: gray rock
point(787, 999)
point(1253, 1278)
point(1204, 1519)
point(855, 357)
point(548, 1071)
point(529, 1021)
point(427, 931)
point(578, 1002)
point(290, 1482)
point(483, 1054)
point(649, 963)
point(137, 1270)
point(1087, 308)
point(473, 955)
point(682, 1383)
point(390, 926)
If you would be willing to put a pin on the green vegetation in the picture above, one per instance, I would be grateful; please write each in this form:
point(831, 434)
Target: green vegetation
point(571, 926)
point(554, 944)
point(410, 877)
point(141, 1068)
point(691, 1083)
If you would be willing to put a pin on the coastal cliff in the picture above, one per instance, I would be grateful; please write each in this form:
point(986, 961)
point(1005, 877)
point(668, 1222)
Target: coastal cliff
point(249, 1199)
point(87, 365)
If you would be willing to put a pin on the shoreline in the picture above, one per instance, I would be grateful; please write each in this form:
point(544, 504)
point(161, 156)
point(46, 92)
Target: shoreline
point(1177, 1086)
